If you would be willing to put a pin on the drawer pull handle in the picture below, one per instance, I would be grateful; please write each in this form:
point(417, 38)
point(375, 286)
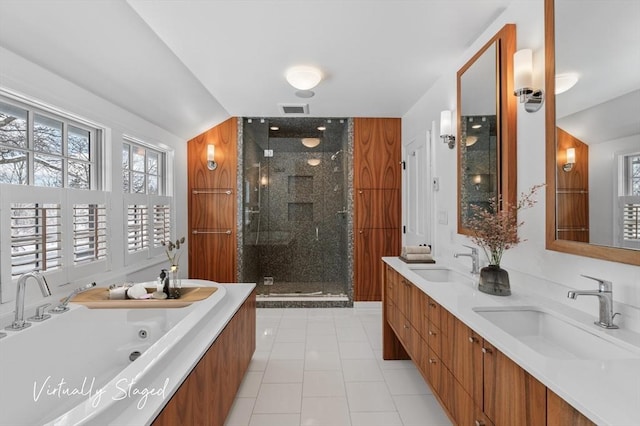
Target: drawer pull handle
point(487, 351)
point(406, 326)
point(479, 423)
point(433, 305)
point(431, 333)
point(432, 361)
point(473, 339)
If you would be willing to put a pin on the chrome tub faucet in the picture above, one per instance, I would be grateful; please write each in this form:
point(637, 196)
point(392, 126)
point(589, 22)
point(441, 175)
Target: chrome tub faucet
point(604, 293)
point(475, 261)
point(62, 307)
point(19, 323)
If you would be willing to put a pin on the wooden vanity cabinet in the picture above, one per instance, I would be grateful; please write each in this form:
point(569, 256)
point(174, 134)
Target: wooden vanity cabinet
point(475, 383)
point(561, 413)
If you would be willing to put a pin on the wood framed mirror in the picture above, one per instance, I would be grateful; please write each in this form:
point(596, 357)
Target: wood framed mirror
point(592, 195)
point(486, 139)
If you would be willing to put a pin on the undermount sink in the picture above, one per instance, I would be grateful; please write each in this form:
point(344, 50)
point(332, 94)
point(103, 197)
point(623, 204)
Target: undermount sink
point(440, 275)
point(551, 335)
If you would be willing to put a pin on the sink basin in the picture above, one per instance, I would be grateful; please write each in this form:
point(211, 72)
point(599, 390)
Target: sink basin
point(440, 275)
point(553, 336)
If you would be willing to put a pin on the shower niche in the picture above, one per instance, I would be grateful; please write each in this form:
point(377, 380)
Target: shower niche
point(295, 199)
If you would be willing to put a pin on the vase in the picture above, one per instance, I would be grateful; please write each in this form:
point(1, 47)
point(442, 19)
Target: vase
point(176, 285)
point(494, 280)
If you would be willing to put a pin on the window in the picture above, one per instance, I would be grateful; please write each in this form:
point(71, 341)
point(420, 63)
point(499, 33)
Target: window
point(161, 224)
point(628, 208)
point(137, 235)
point(35, 237)
point(142, 169)
point(42, 149)
point(89, 233)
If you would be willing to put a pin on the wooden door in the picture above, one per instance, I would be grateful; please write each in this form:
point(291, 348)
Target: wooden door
point(561, 413)
point(377, 208)
point(467, 361)
point(370, 246)
point(377, 153)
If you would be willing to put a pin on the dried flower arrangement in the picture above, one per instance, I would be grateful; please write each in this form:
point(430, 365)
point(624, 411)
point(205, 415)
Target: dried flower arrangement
point(496, 230)
point(174, 257)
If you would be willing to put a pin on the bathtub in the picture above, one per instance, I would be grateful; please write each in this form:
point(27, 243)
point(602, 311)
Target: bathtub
point(76, 368)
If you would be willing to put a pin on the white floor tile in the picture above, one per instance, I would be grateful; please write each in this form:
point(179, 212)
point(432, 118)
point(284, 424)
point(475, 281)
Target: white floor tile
point(279, 398)
point(322, 343)
point(259, 360)
point(284, 371)
point(420, 410)
point(369, 396)
point(250, 385)
point(288, 350)
point(390, 418)
point(325, 412)
point(323, 383)
point(321, 328)
point(240, 413)
point(355, 350)
point(351, 334)
point(324, 367)
point(361, 370)
point(275, 420)
point(406, 381)
point(322, 361)
point(291, 335)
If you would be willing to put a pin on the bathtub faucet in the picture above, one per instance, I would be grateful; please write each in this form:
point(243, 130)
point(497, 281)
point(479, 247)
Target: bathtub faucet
point(19, 323)
point(62, 307)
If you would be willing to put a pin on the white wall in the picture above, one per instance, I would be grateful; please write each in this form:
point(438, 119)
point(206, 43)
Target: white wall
point(32, 81)
point(530, 264)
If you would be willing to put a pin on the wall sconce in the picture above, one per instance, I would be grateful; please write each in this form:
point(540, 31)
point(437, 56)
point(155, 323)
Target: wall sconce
point(477, 181)
point(211, 154)
point(523, 81)
point(571, 160)
point(445, 129)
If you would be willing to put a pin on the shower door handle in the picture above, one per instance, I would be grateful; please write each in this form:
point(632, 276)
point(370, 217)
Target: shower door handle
point(317, 234)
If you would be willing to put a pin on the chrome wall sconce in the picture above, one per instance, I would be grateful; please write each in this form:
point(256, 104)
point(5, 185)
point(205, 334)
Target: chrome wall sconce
point(445, 129)
point(571, 160)
point(523, 81)
point(211, 154)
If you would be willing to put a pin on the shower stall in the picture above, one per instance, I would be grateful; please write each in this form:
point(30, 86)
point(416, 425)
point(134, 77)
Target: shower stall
point(295, 221)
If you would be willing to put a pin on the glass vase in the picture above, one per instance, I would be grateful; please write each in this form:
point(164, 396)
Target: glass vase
point(494, 280)
point(175, 284)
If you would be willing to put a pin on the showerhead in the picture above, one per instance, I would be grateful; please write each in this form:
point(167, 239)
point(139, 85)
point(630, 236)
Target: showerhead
point(334, 156)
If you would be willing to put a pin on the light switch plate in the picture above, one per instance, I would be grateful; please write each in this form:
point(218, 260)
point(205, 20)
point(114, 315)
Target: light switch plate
point(268, 153)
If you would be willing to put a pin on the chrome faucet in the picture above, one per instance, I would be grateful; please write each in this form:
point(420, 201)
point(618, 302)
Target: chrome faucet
point(19, 323)
point(605, 298)
point(475, 261)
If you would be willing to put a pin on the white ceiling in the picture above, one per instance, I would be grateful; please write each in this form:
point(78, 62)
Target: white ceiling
point(186, 65)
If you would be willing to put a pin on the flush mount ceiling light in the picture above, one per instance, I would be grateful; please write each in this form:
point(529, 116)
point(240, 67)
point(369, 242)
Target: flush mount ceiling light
point(565, 82)
point(310, 142)
point(274, 128)
point(303, 77)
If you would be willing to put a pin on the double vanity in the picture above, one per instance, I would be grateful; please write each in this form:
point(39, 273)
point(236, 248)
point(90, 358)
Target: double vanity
point(522, 359)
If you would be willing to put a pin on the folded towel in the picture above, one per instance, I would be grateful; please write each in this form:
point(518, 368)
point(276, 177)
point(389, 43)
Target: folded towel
point(418, 256)
point(416, 250)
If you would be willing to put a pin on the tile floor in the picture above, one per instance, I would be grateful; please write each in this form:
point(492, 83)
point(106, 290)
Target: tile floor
point(324, 367)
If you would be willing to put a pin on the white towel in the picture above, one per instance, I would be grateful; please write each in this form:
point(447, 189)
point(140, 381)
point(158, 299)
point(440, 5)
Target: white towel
point(415, 250)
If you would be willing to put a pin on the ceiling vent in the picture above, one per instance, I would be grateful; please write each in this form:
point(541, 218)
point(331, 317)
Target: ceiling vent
point(294, 108)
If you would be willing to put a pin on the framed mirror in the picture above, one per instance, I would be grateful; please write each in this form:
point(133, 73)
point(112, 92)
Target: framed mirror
point(487, 127)
point(593, 129)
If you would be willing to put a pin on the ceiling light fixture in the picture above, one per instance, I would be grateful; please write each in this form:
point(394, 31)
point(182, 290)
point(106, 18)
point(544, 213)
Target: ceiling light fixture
point(274, 128)
point(303, 77)
point(565, 82)
point(321, 128)
point(310, 142)
point(313, 162)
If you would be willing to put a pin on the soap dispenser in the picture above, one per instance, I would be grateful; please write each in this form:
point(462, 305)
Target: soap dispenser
point(164, 278)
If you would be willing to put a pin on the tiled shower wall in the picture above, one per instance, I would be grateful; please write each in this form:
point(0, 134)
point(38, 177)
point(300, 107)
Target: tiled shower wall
point(300, 234)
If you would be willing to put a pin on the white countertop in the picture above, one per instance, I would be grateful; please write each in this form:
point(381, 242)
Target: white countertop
point(607, 392)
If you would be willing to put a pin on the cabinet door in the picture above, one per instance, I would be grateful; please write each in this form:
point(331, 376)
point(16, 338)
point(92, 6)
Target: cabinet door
point(511, 395)
point(377, 208)
point(560, 413)
point(467, 361)
point(376, 156)
point(371, 245)
point(464, 410)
